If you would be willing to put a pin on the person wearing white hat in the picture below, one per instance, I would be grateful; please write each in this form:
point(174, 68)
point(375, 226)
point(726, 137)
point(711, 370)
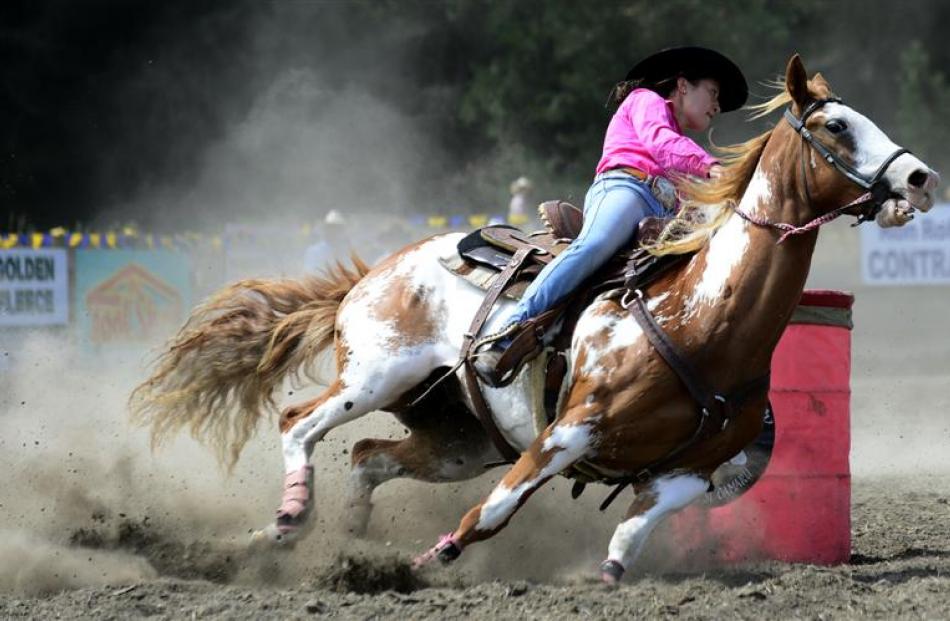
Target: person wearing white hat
point(328, 245)
point(518, 207)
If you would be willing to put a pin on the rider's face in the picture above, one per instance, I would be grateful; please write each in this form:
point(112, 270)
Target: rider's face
point(699, 102)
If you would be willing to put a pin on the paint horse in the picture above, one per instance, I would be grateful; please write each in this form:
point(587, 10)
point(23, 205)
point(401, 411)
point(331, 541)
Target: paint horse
point(395, 327)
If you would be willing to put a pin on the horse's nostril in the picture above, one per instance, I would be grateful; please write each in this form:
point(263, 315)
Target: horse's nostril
point(918, 178)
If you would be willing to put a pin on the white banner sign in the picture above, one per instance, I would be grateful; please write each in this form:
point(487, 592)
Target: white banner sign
point(34, 287)
point(917, 253)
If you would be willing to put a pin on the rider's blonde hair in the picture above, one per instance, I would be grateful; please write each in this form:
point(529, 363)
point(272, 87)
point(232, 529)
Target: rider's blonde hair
point(707, 204)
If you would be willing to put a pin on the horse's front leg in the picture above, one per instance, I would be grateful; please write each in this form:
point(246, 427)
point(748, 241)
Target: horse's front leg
point(560, 445)
point(652, 504)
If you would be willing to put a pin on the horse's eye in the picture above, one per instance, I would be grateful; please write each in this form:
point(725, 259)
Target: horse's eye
point(835, 126)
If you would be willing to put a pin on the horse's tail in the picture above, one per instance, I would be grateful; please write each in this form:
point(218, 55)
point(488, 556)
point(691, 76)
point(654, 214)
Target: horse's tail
point(218, 374)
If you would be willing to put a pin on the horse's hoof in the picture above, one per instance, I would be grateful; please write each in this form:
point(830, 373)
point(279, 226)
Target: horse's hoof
point(274, 537)
point(449, 553)
point(447, 550)
point(611, 572)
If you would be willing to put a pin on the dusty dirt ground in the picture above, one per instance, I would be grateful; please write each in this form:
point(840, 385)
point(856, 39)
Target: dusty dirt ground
point(92, 525)
point(900, 568)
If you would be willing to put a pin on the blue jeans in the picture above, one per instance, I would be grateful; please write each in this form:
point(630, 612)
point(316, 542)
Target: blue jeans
point(614, 205)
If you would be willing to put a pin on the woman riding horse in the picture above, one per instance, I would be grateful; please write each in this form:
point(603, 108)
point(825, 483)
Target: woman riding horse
point(624, 407)
point(672, 90)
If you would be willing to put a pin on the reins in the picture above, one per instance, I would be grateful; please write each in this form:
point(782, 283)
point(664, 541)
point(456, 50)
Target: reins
point(791, 229)
point(870, 202)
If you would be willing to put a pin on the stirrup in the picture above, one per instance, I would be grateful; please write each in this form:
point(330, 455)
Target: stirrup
point(485, 364)
point(494, 337)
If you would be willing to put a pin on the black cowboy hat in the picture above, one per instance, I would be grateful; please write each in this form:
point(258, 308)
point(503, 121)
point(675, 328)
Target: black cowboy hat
point(698, 61)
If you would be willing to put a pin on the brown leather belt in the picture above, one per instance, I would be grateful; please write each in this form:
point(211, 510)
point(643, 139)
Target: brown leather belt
point(634, 172)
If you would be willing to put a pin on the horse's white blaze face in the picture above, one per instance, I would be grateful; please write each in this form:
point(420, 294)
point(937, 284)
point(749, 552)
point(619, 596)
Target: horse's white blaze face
point(871, 147)
point(566, 444)
point(672, 493)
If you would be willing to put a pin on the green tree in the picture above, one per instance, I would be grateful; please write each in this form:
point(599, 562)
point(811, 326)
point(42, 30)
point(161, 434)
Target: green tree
point(923, 98)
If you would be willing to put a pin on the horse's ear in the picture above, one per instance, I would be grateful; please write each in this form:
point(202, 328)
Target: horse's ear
point(820, 84)
point(796, 83)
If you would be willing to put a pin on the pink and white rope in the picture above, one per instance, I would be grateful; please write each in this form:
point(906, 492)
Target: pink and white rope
point(791, 229)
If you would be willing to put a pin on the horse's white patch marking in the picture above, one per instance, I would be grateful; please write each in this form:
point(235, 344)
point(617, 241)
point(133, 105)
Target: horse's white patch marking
point(728, 245)
point(672, 494)
point(758, 195)
point(512, 407)
point(654, 303)
point(377, 369)
point(725, 252)
point(571, 443)
point(295, 455)
point(575, 439)
point(622, 330)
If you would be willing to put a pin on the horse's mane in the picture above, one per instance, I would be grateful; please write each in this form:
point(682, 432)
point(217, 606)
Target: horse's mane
point(706, 205)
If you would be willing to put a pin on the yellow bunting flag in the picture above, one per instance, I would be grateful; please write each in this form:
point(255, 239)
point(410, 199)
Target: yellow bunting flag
point(437, 222)
point(75, 239)
point(37, 239)
point(111, 239)
point(95, 240)
point(478, 219)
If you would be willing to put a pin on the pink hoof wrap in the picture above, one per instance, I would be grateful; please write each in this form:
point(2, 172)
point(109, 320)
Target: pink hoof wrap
point(296, 497)
point(447, 550)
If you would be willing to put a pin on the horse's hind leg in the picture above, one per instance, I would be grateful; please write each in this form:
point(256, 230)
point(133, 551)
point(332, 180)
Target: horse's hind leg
point(446, 444)
point(652, 504)
point(303, 425)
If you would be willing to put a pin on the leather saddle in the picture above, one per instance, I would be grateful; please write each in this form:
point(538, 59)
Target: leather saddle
point(518, 257)
point(494, 246)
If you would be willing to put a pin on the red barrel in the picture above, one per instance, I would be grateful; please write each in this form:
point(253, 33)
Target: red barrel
point(800, 508)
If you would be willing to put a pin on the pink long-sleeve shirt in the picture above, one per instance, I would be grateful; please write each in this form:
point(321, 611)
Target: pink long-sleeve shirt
point(644, 134)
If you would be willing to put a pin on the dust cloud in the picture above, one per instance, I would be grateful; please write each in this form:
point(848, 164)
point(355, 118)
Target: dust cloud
point(302, 120)
point(900, 370)
point(84, 501)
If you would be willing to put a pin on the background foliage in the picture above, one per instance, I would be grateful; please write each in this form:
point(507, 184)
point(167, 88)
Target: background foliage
point(103, 100)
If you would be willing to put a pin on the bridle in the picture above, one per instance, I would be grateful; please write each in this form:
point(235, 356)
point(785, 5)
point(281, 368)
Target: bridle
point(868, 204)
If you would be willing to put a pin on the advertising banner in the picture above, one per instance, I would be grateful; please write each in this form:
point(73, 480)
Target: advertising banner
point(917, 253)
point(34, 287)
point(128, 297)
